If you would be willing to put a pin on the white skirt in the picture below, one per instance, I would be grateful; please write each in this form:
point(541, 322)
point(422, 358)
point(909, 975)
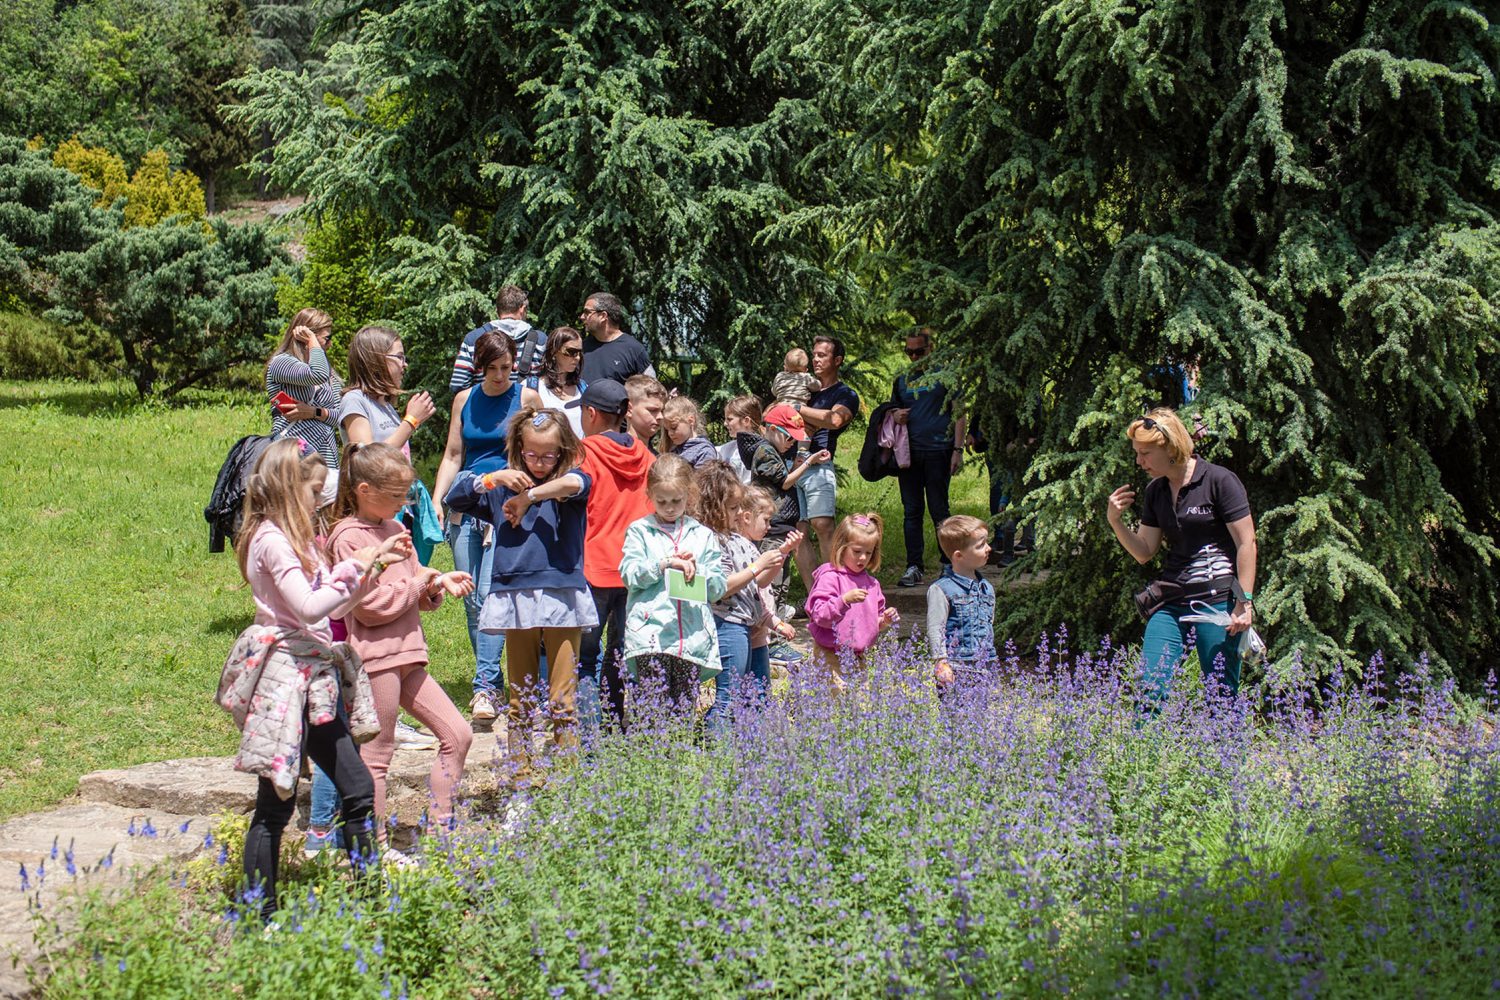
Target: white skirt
point(538, 607)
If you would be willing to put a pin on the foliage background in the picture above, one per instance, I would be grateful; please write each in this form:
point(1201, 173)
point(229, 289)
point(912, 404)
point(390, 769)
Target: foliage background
point(1296, 200)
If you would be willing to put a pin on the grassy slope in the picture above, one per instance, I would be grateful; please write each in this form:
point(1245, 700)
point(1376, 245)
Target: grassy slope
point(116, 617)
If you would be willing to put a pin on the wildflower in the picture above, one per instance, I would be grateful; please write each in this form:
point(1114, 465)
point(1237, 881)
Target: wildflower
point(25, 880)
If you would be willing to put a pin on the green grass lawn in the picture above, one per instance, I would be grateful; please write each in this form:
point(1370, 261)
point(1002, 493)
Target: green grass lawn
point(116, 616)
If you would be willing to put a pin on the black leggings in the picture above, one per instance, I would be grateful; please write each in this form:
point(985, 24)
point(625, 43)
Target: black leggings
point(332, 748)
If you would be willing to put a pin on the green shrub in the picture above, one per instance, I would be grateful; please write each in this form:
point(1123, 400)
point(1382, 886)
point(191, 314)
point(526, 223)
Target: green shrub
point(32, 348)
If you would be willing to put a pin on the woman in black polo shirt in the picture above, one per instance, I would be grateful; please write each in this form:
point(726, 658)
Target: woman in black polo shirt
point(1201, 511)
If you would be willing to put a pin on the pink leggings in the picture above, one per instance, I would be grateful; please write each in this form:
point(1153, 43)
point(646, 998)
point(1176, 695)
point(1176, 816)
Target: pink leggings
point(411, 688)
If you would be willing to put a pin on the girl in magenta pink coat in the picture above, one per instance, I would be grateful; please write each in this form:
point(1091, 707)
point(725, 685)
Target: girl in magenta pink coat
point(845, 607)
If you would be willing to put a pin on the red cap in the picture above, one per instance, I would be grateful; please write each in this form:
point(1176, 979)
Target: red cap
point(783, 416)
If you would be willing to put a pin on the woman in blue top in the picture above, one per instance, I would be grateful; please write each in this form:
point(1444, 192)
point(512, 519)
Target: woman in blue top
point(476, 443)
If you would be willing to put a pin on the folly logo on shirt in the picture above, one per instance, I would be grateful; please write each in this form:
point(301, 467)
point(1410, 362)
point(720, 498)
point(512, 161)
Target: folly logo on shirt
point(1201, 510)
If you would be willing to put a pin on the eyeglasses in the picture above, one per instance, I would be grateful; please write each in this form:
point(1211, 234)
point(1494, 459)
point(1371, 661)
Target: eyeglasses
point(571, 352)
point(916, 352)
point(545, 457)
point(398, 355)
point(587, 310)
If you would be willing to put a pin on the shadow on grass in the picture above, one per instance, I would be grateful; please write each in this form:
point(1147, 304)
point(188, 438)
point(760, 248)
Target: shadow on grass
point(230, 625)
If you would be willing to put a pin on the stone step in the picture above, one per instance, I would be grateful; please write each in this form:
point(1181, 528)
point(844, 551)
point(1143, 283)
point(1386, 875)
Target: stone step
point(191, 786)
point(98, 837)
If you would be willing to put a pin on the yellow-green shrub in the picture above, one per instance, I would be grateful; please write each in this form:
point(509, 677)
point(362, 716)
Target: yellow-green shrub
point(151, 194)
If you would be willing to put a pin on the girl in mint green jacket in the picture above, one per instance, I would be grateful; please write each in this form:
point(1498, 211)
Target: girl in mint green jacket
point(671, 640)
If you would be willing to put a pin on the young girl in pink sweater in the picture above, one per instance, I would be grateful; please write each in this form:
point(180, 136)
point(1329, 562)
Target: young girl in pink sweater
point(295, 592)
point(385, 630)
point(845, 605)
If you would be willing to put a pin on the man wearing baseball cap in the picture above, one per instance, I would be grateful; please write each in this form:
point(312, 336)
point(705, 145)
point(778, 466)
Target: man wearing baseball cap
point(616, 465)
point(784, 429)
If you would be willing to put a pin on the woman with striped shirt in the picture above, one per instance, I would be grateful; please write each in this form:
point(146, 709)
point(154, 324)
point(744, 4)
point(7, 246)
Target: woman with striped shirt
point(300, 368)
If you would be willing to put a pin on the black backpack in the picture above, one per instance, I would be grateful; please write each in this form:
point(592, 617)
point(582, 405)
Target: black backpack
point(227, 501)
point(529, 351)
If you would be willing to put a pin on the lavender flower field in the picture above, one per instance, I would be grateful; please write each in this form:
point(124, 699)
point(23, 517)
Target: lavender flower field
point(1037, 837)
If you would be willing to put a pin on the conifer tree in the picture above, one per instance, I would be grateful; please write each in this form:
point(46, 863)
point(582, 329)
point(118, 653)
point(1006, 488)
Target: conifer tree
point(1298, 198)
point(569, 148)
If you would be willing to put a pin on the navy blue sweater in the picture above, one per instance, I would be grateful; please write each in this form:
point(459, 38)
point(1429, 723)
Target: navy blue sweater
point(546, 550)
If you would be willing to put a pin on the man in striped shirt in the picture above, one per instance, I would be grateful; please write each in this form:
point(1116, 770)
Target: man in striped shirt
point(531, 341)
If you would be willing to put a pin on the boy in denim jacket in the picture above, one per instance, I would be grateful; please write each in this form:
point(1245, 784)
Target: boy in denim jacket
point(961, 604)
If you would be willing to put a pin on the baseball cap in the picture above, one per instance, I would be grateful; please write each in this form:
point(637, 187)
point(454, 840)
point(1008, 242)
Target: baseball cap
point(783, 416)
point(607, 396)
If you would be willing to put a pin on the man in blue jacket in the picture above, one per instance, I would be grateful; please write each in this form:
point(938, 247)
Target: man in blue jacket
point(937, 451)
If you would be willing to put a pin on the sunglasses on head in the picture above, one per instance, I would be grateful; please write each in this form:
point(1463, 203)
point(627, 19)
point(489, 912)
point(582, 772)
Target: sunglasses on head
point(1148, 423)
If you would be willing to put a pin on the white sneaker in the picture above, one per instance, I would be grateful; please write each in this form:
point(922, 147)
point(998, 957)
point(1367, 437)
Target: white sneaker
point(393, 858)
point(412, 738)
point(482, 706)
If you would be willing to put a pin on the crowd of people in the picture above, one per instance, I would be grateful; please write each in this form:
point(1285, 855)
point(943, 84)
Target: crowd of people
point(601, 540)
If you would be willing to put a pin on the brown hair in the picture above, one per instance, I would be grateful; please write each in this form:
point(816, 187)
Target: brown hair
point(556, 341)
point(642, 387)
point(721, 495)
point(858, 527)
point(369, 369)
point(746, 408)
point(957, 531)
point(489, 347)
point(272, 494)
point(380, 465)
point(1163, 427)
point(538, 420)
point(680, 408)
point(673, 470)
point(510, 299)
point(314, 320)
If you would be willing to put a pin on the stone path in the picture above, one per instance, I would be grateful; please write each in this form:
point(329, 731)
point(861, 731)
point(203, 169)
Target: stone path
point(103, 833)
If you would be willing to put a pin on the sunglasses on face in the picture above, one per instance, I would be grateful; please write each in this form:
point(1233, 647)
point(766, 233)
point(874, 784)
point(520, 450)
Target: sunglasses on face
point(571, 352)
point(916, 352)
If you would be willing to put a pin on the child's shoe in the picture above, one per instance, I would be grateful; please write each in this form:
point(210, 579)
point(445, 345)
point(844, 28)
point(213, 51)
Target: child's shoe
point(318, 842)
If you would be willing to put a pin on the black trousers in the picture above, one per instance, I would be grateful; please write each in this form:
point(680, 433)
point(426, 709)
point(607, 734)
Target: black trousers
point(609, 605)
point(332, 748)
point(678, 677)
point(927, 479)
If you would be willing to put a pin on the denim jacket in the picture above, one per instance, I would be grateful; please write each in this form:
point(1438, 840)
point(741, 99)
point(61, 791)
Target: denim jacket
point(968, 627)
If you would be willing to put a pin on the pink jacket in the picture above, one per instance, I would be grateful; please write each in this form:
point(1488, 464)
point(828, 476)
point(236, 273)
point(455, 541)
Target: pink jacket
point(896, 437)
point(834, 624)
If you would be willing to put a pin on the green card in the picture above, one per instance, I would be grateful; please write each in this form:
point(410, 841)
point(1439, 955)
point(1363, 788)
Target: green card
point(678, 588)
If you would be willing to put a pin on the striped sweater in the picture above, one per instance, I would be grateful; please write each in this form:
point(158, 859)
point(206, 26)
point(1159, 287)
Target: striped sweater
point(313, 382)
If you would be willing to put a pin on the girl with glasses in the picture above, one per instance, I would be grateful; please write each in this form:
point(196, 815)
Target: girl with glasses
point(538, 596)
point(560, 384)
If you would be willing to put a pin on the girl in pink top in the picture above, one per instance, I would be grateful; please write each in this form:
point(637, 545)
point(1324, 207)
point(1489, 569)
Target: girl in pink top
point(295, 589)
point(845, 605)
point(385, 627)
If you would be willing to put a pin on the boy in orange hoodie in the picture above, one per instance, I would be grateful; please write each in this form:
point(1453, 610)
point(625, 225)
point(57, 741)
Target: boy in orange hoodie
point(616, 465)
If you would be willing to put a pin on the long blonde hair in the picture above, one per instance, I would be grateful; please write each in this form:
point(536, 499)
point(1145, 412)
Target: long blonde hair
point(275, 494)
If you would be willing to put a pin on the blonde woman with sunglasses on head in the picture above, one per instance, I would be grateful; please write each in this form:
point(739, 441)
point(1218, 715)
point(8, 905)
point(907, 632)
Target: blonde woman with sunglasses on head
point(1201, 513)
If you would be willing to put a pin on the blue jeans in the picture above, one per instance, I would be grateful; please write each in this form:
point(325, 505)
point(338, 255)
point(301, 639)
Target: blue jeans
point(1165, 647)
point(599, 661)
point(470, 555)
point(741, 665)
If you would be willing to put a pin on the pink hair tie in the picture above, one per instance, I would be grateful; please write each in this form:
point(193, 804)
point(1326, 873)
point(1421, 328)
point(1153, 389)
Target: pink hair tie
point(861, 520)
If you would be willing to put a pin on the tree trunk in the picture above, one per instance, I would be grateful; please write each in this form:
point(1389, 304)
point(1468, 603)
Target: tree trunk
point(208, 192)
